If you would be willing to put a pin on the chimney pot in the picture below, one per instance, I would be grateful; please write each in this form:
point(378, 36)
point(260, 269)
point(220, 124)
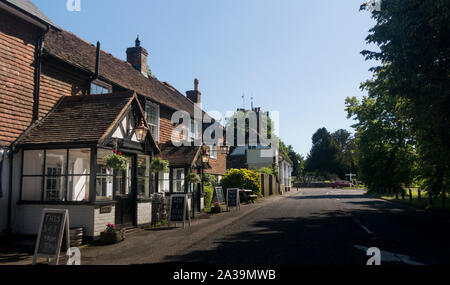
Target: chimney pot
point(137, 57)
point(194, 95)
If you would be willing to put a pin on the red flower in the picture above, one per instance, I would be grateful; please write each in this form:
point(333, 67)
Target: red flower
point(115, 150)
point(119, 153)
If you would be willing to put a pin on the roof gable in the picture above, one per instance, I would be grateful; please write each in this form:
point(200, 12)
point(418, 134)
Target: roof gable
point(81, 119)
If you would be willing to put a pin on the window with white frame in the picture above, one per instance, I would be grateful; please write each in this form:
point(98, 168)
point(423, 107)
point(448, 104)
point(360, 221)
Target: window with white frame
point(192, 132)
point(213, 152)
point(56, 175)
point(178, 180)
point(152, 116)
point(163, 182)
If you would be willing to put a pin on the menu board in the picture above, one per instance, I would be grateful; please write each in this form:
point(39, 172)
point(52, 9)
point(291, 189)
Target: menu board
point(178, 209)
point(233, 198)
point(219, 195)
point(54, 225)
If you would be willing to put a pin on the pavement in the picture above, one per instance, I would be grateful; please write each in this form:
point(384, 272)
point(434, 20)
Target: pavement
point(304, 227)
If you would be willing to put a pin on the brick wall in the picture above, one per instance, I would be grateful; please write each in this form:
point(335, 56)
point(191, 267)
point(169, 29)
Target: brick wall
point(101, 220)
point(17, 51)
point(219, 165)
point(144, 213)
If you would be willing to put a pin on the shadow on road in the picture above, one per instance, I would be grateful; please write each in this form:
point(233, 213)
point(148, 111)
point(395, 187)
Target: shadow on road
point(330, 237)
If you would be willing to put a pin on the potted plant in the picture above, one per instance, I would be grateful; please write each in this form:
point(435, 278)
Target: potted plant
point(193, 178)
point(159, 165)
point(216, 209)
point(116, 160)
point(112, 235)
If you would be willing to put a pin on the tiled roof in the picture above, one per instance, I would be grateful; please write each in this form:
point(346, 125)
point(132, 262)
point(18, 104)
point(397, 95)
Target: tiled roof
point(78, 119)
point(180, 156)
point(75, 51)
point(30, 8)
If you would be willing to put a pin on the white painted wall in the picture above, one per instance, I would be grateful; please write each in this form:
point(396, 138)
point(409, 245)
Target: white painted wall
point(29, 216)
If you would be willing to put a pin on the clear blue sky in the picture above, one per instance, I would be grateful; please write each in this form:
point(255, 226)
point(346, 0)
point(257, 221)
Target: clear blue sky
point(299, 57)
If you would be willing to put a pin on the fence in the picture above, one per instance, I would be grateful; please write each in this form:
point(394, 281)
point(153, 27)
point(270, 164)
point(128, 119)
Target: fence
point(270, 186)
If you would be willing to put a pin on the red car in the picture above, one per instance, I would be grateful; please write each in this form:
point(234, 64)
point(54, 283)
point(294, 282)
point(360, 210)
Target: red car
point(341, 184)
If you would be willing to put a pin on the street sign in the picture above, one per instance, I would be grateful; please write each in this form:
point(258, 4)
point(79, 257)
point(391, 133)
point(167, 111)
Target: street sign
point(54, 225)
point(219, 195)
point(233, 199)
point(179, 209)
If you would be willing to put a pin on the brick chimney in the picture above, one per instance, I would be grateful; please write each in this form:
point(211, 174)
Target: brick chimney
point(137, 56)
point(194, 95)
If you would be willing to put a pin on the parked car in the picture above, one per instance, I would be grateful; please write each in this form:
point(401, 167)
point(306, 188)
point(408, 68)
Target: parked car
point(340, 184)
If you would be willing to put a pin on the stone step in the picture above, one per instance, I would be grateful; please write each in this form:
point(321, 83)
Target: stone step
point(130, 231)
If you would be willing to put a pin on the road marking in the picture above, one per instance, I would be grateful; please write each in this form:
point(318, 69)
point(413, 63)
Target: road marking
point(393, 257)
point(362, 226)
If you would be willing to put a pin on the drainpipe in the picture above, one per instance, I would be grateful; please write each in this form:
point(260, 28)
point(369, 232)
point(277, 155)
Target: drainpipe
point(37, 73)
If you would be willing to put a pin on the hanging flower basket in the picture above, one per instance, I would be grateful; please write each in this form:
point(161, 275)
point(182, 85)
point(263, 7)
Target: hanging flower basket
point(159, 165)
point(116, 161)
point(193, 178)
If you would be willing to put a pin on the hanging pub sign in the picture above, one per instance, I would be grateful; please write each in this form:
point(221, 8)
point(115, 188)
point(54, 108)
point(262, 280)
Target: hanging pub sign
point(54, 226)
point(219, 195)
point(233, 199)
point(179, 209)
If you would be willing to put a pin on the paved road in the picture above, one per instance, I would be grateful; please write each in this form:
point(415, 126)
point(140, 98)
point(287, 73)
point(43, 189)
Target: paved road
point(311, 226)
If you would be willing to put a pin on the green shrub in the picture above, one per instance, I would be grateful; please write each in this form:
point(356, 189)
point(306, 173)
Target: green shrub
point(209, 192)
point(243, 179)
point(210, 179)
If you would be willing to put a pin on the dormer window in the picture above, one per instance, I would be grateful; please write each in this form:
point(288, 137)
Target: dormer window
point(99, 88)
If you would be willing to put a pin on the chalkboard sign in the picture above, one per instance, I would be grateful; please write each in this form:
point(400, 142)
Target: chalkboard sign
point(54, 224)
point(178, 209)
point(219, 195)
point(233, 198)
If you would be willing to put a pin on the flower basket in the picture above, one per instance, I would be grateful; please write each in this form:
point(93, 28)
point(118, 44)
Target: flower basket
point(159, 165)
point(193, 178)
point(216, 209)
point(112, 235)
point(116, 161)
point(112, 238)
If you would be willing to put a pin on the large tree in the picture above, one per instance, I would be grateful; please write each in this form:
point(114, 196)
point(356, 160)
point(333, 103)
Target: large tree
point(413, 37)
point(385, 146)
point(322, 158)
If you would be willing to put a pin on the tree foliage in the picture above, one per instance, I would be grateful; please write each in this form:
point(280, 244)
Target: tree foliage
point(385, 147)
point(414, 52)
point(332, 154)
